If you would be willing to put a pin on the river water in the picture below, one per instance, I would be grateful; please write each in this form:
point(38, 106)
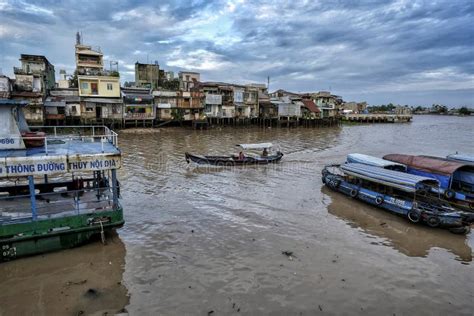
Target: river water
point(200, 239)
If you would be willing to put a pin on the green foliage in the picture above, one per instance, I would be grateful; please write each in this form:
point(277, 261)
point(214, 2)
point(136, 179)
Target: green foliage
point(172, 85)
point(73, 80)
point(464, 111)
point(177, 114)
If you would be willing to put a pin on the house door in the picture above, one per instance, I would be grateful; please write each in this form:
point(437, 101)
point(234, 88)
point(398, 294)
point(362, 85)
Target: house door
point(98, 112)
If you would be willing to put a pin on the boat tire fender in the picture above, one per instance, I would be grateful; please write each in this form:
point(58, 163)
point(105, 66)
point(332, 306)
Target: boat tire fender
point(414, 216)
point(433, 221)
point(323, 179)
point(379, 200)
point(471, 205)
point(449, 194)
point(460, 230)
point(353, 193)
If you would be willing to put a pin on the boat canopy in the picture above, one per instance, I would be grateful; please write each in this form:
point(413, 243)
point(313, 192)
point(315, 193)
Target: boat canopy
point(400, 180)
point(375, 161)
point(444, 170)
point(255, 146)
point(462, 158)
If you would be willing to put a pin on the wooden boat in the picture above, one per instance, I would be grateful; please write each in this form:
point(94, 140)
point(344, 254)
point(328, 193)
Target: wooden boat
point(249, 158)
point(456, 178)
point(59, 196)
point(397, 192)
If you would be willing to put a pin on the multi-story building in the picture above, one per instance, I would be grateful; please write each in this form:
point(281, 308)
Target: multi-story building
point(219, 99)
point(147, 75)
point(139, 108)
point(33, 81)
point(251, 99)
point(5, 87)
point(328, 103)
point(165, 102)
point(99, 89)
point(188, 79)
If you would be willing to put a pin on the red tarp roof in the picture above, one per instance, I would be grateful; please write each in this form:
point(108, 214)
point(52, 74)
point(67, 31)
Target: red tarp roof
point(311, 106)
point(428, 164)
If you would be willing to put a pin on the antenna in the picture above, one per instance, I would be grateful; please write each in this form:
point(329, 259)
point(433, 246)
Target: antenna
point(268, 83)
point(114, 63)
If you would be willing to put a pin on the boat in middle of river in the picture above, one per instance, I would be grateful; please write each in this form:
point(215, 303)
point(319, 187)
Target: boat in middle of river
point(250, 154)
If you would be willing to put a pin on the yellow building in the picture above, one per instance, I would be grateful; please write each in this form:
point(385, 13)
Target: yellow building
point(99, 86)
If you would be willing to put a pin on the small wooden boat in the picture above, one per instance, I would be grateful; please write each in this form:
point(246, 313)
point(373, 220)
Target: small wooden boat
point(243, 159)
point(397, 192)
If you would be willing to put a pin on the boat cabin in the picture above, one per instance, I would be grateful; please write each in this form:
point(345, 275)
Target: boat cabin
point(55, 181)
point(456, 178)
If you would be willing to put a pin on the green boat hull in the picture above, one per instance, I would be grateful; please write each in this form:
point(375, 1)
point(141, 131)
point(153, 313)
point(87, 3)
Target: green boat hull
point(41, 236)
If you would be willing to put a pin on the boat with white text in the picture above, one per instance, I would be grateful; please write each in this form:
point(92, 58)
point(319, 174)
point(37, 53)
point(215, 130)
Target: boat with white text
point(58, 185)
point(397, 192)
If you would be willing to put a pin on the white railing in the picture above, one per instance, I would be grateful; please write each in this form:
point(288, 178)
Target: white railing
point(90, 134)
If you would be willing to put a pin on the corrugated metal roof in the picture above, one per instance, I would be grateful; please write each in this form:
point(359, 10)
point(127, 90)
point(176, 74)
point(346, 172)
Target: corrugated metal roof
point(311, 106)
point(400, 180)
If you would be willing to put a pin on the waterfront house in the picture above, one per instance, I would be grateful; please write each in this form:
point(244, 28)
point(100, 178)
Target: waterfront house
point(328, 103)
point(251, 98)
point(33, 80)
point(165, 101)
point(354, 107)
point(63, 106)
point(221, 106)
point(309, 109)
point(138, 106)
point(190, 104)
point(99, 89)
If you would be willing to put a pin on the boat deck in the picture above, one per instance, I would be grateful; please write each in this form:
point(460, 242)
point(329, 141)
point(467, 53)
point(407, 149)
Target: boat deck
point(55, 205)
point(63, 146)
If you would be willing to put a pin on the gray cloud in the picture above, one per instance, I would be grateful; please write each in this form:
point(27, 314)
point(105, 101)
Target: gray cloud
point(409, 52)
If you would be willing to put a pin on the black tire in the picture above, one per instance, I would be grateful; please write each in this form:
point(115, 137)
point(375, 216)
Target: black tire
point(460, 230)
point(379, 200)
point(323, 179)
point(414, 216)
point(471, 205)
point(353, 193)
point(229, 164)
point(449, 194)
point(422, 192)
point(433, 221)
point(220, 164)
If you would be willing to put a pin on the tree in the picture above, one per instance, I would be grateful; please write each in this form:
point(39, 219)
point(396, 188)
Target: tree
point(464, 111)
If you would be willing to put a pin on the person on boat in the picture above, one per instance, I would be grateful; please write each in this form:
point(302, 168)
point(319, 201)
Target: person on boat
point(241, 156)
point(265, 153)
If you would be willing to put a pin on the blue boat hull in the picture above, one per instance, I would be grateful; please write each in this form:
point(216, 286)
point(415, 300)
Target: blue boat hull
point(457, 221)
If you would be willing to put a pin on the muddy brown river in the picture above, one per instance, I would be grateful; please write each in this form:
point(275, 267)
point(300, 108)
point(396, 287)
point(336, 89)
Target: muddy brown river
point(209, 241)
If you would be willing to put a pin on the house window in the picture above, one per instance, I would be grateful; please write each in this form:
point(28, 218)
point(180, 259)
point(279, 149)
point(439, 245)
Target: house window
point(110, 87)
point(84, 85)
point(89, 109)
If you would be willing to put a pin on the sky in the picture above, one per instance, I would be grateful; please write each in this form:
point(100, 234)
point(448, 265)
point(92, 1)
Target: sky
point(404, 51)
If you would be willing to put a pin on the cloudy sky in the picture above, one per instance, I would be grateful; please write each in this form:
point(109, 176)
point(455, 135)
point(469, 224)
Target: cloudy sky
point(406, 51)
